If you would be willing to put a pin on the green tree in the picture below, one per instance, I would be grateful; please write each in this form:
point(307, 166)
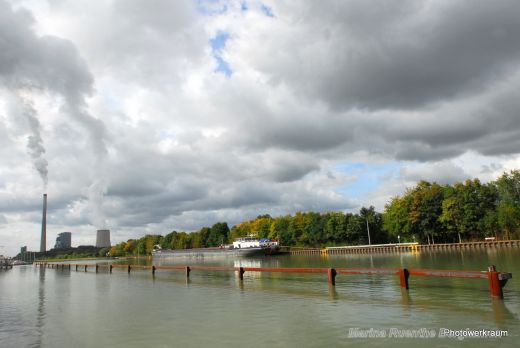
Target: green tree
point(313, 228)
point(356, 229)
point(335, 228)
point(279, 230)
point(508, 188)
point(218, 234)
point(426, 209)
point(396, 218)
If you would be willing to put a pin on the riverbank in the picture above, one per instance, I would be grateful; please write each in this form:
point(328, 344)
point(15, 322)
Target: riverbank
point(400, 247)
point(74, 259)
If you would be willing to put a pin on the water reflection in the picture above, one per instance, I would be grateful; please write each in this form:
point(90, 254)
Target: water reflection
point(406, 300)
point(333, 294)
point(501, 313)
point(40, 315)
point(57, 306)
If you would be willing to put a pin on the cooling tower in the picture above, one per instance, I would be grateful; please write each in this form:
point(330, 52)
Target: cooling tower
point(103, 239)
point(43, 242)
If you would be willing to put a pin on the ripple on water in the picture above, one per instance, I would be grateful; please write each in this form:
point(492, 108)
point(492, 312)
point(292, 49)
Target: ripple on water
point(52, 308)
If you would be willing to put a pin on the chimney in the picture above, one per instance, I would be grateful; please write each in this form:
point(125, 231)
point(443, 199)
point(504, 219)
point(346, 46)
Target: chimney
point(43, 243)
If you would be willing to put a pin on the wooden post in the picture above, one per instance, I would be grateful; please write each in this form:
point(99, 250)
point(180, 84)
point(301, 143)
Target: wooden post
point(331, 272)
point(494, 283)
point(69, 266)
point(188, 270)
point(129, 267)
point(153, 269)
point(403, 278)
point(76, 267)
point(241, 273)
point(111, 268)
point(97, 267)
point(85, 268)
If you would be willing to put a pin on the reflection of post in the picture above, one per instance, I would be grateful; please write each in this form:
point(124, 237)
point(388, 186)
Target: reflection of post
point(501, 314)
point(405, 297)
point(368, 231)
point(333, 294)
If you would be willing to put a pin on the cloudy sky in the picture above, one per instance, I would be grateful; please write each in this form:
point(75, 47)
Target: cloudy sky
point(149, 116)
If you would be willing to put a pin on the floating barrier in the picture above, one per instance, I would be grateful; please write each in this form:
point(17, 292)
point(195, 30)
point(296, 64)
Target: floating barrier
point(497, 280)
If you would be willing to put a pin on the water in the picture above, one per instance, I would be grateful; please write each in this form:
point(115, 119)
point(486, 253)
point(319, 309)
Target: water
point(55, 308)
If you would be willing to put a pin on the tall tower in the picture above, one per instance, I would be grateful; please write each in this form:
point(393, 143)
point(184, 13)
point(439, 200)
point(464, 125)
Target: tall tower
point(43, 243)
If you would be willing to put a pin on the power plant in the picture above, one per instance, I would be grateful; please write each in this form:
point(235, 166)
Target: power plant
point(43, 242)
point(63, 241)
point(103, 239)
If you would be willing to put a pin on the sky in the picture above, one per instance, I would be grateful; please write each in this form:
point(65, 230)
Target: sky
point(152, 116)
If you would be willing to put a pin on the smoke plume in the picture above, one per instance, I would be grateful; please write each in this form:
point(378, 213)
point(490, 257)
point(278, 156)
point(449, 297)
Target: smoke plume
point(95, 194)
point(35, 143)
point(23, 114)
point(51, 65)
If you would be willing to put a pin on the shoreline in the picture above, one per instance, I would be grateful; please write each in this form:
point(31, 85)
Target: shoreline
point(399, 248)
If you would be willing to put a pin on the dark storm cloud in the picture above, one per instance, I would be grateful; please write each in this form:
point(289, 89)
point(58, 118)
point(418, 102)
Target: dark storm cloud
point(39, 62)
point(397, 57)
point(421, 81)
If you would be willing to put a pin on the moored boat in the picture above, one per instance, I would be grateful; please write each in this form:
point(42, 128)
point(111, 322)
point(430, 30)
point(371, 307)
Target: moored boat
point(242, 247)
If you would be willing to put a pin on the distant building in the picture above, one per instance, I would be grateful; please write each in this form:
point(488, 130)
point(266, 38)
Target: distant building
point(23, 250)
point(103, 239)
point(63, 241)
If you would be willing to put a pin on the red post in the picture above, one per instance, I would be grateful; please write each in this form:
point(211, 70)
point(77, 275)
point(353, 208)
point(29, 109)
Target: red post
point(188, 270)
point(153, 269)
point(494, 283)
point(129, 267)
point(403, 277)
point(241, 273)
point(331, 272)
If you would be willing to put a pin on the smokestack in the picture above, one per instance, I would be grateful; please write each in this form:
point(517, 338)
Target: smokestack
point(43, 243)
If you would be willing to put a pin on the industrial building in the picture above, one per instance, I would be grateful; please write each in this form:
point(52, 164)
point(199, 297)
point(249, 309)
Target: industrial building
point(103, 239)
point(63, 241)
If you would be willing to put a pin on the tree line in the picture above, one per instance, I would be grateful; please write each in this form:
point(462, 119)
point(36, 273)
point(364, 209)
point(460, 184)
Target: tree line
point(470, 210)
point(426, 213)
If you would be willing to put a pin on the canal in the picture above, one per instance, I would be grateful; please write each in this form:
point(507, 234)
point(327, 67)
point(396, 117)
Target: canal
point(42, 307)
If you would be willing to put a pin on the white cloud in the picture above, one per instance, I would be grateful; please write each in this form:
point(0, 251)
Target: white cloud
point(127, 95)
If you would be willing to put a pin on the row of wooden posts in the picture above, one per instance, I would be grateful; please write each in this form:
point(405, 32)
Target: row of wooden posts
point(497, 280)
